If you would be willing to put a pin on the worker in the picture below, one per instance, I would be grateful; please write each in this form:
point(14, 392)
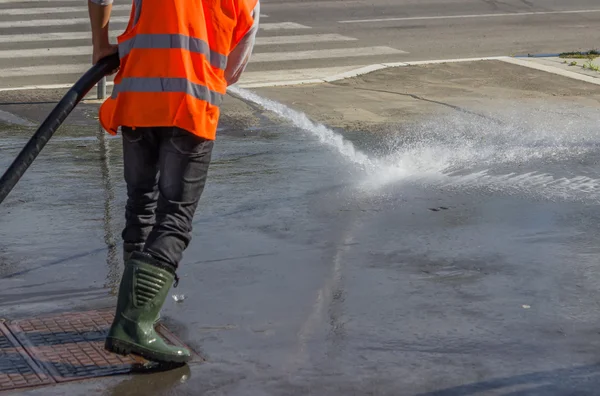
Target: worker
point(177, 59)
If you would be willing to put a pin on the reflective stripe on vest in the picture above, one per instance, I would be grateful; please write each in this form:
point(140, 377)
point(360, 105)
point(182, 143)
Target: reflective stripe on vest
point(174, 57)
point(137, 5)
point(164, 84)
point(176, 41)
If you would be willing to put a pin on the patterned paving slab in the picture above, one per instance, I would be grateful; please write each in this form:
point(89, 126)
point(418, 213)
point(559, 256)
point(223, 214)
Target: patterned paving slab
point(64, 347)
point(17, 369)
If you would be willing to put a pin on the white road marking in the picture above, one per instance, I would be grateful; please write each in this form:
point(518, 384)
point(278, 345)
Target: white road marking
point(512, 14)
point(260, 57)
point(55, 22)
point(42, 86)
point(553, 70)
point(302, 76)
point(323, 54)
point(308, 38)
point(44, 70)
point(293, 74)
point(25, 38)
point(54, 10)
point(42, 52)
point(277, 40)
point(282, 26)
point(36, 1)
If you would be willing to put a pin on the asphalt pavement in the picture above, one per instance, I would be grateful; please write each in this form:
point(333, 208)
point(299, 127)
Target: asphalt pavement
point(451, 249)
point(47, 43)
point(423, 230)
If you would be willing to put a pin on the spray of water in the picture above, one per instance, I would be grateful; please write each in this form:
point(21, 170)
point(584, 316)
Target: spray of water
point(300, 120)
point(467, 151)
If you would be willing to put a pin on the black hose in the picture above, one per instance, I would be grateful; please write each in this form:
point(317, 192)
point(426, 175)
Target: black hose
point(54, 120)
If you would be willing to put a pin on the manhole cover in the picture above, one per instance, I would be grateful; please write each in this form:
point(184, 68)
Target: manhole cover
point(64, 347)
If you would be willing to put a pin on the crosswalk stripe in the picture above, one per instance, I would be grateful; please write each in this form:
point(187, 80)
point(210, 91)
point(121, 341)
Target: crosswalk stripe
point(248, 77)
point(257, 57)
point(298, 39)
point(282, 26)
point(79, 21)
point(24, 38)
point(36, 1)
point(323, 54)
point(277, 40)
point(55, 22)
point(70, 1)
point(27, 68)
point(44, 70)
point(54, 10)
point(43, 52)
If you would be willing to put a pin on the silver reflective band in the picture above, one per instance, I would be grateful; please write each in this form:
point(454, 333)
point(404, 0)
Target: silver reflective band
point(180, 41)
point(164, 84)
point(138, 9)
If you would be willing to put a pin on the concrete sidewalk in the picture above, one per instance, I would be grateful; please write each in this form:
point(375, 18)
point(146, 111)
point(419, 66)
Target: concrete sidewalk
point(301, 281)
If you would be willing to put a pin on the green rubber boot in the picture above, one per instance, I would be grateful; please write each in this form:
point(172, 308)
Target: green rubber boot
point(143, 290)
point(128, 250)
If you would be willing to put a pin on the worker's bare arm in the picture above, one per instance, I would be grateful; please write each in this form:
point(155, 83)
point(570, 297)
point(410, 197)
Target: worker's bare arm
point(99, 11)
point(239, 57)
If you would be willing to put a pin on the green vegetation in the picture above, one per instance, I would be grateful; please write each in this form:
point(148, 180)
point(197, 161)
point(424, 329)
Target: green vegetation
point(591, 66)
point(593, 54)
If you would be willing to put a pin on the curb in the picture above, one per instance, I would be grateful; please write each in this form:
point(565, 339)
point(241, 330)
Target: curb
point(359, 72)
point(553, 70)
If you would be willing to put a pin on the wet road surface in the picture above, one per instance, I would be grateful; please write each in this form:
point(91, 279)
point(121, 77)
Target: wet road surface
point(309, 275)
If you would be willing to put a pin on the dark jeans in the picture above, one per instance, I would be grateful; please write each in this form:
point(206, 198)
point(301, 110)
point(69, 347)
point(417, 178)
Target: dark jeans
point(165, 171)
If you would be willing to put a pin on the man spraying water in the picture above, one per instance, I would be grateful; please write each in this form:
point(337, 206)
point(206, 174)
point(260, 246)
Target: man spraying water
point(177, 59)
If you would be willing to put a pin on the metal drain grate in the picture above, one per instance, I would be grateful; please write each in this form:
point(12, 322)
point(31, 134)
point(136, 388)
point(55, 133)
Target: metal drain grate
point(17, 369)
point(64, 347)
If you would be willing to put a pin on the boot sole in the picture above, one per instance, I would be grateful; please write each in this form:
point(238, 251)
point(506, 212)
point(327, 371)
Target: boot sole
point(125, 348)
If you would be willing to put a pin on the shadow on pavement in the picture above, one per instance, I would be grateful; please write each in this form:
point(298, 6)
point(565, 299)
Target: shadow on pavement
point(582, 380)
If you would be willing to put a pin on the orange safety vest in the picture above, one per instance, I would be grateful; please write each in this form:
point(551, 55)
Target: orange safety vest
point(173, 58)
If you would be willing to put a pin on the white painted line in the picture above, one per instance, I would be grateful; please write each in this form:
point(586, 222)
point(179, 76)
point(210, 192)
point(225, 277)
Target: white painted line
point(553, 70)
point(264, 16)
point(283, 26)
point(277, 40)
point(43, 52)
point(316, 79)
point(356, 72)
point(25, 38)
point(47, 70)
point(323, 54)
point(431, 62)
point(36, 1)
point(54, 10)
point(298, 39)
point(55, 22)
point(293, 74)
point(260, 57)
point(512, 14)
point(279, 83)
point(352, 73)
point(48, 86)
point(321, 75)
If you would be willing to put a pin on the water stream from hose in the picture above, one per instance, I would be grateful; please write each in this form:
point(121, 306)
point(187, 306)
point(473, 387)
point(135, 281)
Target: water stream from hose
point(532, 153)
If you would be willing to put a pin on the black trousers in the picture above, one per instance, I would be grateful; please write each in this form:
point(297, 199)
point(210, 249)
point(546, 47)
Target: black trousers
point(165, 171)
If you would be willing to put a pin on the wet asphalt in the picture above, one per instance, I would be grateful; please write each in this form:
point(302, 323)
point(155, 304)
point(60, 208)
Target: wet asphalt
point(301, 281)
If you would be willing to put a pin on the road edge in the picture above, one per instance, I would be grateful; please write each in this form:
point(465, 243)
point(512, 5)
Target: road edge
point(354, 73)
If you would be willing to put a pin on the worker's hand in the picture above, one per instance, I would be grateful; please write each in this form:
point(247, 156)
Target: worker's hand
point(104, 51)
